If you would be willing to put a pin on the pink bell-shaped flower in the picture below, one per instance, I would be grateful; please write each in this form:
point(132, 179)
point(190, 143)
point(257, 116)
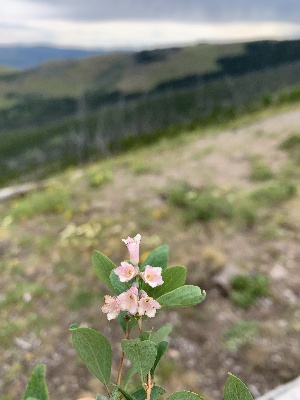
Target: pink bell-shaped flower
point(129, 300)
point(133, 246)
point(111, 307)
point(152, 276)
point(148, 306)
point(125, 271)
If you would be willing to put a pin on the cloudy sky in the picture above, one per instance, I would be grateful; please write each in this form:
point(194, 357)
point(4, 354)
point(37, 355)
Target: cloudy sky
point(145, 23)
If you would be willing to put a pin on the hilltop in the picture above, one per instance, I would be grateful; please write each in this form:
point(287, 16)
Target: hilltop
point(220, 197)
point(24, 57)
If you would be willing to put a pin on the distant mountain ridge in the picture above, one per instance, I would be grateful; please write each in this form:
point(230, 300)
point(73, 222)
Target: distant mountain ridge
point(23, 57)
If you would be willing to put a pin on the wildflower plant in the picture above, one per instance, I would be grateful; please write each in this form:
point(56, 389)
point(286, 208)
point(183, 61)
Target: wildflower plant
point(139, 291)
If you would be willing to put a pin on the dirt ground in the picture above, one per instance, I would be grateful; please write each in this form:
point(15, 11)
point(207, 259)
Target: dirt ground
point(39, 251)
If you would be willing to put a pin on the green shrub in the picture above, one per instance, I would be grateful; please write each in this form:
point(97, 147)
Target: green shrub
point(204, 204)
point(260, 171)
point(274, 192)
point(240, 333)
point(97, 178)
point(47, 201)
point(291, 143)
point(246, 289)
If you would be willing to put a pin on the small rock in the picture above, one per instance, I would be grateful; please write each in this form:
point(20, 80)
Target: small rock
point(22, 344)
point(278, 272)
point(223, 279)
point(290, 296)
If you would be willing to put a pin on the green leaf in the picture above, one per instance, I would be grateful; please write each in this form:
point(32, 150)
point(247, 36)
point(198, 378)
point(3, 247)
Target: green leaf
point(145, 335)
point(118, 286)
point(95, 352)
point(159, 257)
point(185, 395)
point(37, 387)
point(156, 392)
point(173, 278)
point(103, 267)
point(162, 347)
point(126, 394)
point(235, 389)
point(98, 397)
point(142, 354)
point(132, 370)
point(115, 395)
point(161, 333)
point(184, 296)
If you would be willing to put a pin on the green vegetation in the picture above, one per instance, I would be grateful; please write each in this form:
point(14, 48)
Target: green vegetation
point(204, 204)
point(246, 289)
point(274, 192)
point(51, 200)
point(292, 146)
point(260, 170)
point(98, 178)
point(45, 126)
point(243, 208)
point(240, 333)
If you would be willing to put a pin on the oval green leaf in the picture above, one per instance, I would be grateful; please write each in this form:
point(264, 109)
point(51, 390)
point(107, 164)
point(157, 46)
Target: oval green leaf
point(235, 389)
point(103, 267)
point(95, 352)
point(161, 333)
point(185, 395)
point(36, 387)
point(118, 286)
point(142, 354)
point(184, 296)
point(159, 257)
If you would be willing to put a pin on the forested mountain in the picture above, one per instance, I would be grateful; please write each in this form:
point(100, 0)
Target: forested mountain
point(63, 113)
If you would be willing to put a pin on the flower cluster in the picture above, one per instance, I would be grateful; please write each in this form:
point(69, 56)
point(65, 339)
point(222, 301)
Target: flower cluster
point(135, 302)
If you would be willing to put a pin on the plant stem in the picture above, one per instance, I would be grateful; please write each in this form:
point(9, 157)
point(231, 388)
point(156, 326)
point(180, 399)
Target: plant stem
point(149, 386)
point(140, 325)
point(122, 358)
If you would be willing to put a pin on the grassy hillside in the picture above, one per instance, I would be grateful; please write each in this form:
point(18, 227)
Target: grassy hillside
point(220, 196)
point(63, 114)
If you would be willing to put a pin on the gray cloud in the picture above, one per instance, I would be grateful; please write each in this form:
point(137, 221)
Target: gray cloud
point(176, 10)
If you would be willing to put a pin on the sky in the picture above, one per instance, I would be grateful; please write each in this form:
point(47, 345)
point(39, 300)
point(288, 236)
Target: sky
point(138, 24)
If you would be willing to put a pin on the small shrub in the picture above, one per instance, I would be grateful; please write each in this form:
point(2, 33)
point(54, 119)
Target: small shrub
point(47, 201)
point(246, 289)
point(291, 143)
point(98, 178)
point(204, 204)
point(260, 171)
point(274, 192)
point(240, 333)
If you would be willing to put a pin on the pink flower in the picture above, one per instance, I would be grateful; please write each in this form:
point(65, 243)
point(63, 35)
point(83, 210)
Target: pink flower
point(125, 271)
point(111, 307)
point(148, 306)
point(152, 276)
point(133, 246)
point(129, 300)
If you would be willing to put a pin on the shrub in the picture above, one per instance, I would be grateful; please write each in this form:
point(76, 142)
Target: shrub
point(47, 201)
point(204, 204)
point(274, 192)
point(240, 333)
point(246, 289)
point(260, 171)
